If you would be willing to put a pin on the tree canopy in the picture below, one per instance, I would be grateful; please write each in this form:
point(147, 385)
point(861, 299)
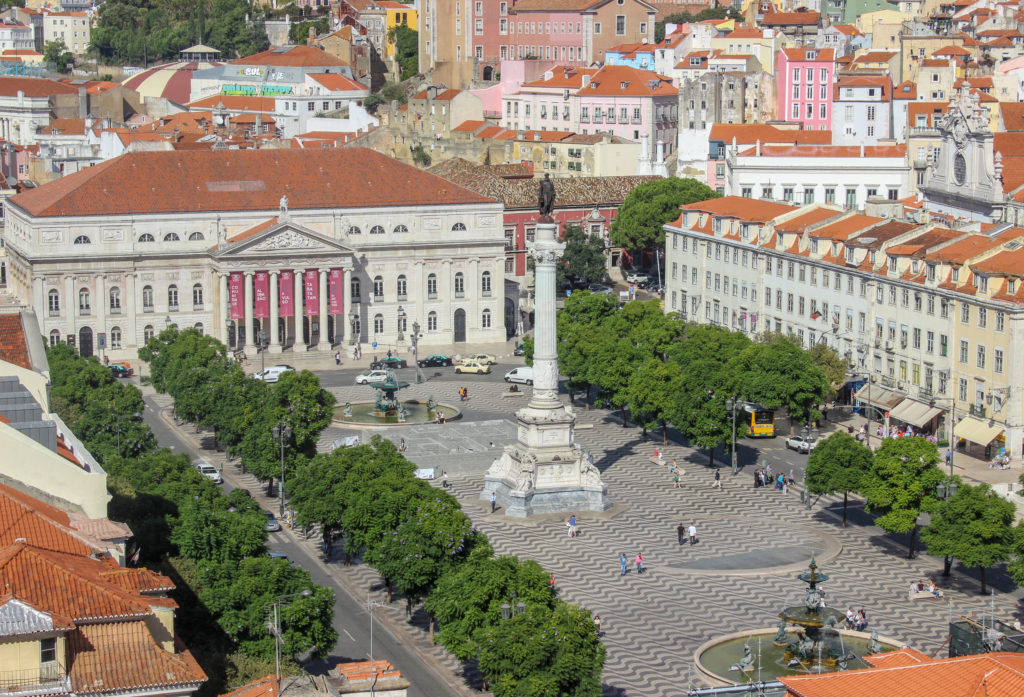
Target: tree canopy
point(648, 207)
point(838, 464)
point(583, 260)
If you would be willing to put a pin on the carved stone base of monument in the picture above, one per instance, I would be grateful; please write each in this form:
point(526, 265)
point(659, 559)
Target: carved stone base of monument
point(545, 472)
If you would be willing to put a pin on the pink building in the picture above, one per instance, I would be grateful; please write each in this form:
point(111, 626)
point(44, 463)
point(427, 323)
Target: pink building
point(805, 77)
point(629, 102)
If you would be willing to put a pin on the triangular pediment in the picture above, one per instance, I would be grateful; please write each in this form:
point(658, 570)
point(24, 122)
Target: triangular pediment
point(273, 238)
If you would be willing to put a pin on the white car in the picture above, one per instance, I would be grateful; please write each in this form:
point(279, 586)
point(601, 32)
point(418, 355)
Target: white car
point(522, 374)
point(372, 376)
point(273, 373)
point(637, 277)
point(802, 444)
point(210, 472)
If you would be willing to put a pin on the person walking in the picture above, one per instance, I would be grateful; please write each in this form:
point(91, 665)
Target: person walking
point(465, 393)
point(681, 532)
point(718, 480)
point(337, 358)
point(639, 563)
point(494, 500)
point(551, 581)
point(693, 534)
point(444, 480)
point(675, 478)
point(572, 525)
point(597, 624)
point(622, 563)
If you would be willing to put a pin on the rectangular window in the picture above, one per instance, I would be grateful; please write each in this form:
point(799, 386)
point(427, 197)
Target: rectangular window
point(917, 338)
point(963, 389)
point(1000, 321)
point(620, 25)
point(982, 317)
point(965, 313)
point(830, 195)
point(964, 350)
point(981, 356)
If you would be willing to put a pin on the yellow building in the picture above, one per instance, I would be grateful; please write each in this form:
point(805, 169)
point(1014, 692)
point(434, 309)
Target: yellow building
point(398, 15)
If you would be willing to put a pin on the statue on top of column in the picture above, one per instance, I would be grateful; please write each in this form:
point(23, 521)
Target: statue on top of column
point(546, 196)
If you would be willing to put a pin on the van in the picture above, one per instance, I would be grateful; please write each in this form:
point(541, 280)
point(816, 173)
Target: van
point(523, 374)
point(273, 373)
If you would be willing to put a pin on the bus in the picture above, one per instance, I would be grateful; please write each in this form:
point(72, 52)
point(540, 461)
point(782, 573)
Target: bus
point(762, 424)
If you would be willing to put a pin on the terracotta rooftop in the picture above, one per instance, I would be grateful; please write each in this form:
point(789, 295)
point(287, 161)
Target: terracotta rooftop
point(562, 77)
point(13, 348)
point(790, 18)
point(339, 83)
point(805, 220)
point(822, 55)
point(881, 233)
point(827, 151)
point(753, 210)
point(967, 248)
point(442, 96)
point(261, 687)
point(34, 87)
point(845, 228)
point(25, 518)
point(469, 126)
point(747, 133)
point(292, 56)
point(625, 81)
point(235, 180)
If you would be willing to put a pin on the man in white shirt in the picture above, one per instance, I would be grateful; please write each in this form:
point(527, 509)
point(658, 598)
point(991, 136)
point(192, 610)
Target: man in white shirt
point(693, 534)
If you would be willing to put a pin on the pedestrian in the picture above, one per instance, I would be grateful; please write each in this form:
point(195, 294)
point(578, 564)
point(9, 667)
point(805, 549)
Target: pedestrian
point(402, 447)
point(337, 358)
point(693, 534)
point(622, 563)
point(791, 479)
point(597, 624)
point(681, 532)
point(444, 479)
point(551, 581)
point(718, 480)
point(768, 472)
point(494, 500)
point(465, 392)
point(462, 396)
point(757, 478)
point(639, 563)
point(572, 525)
point(676, 480)
point(672, 467)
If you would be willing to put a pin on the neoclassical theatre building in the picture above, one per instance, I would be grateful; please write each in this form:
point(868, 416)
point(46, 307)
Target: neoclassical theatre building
point(305, 249)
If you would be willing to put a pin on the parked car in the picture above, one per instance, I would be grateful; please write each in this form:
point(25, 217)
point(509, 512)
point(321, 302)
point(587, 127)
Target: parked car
point(482, 358)
point(522, 374)
point(473, 367)
point(277, 555)
point(372, 376)
point(637, 277)
point(210, 472)
point(273, 373)
point(435, 360)
point(118, 370)
point(392, 362)
point(519, 350)
point(802, 444)
point(271, 525)
point(599, 288)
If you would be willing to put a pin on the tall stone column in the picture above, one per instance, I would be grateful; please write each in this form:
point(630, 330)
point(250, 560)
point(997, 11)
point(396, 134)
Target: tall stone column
point(342, 328)
point(324, 344)
point(299, 293)
point(129, 331)
point(545, 253)
point(223, 313)
point(250, 340)
point(71, 307)
point(275, 312)
point(101, 312)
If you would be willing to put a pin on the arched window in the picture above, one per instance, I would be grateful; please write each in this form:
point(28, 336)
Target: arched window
point(378, 324)
point(378, 289)
point(355, 290)
point(485, 319)
point(115, 301)
point(199, 328)
point(115, 337)
point(83, 239)
point(146, 237)
point(147, 298)
point(432, 286)
point(354, 230)
point(460, 285)
point(54, 337)
point(432, 322)
point(485, 283)
point(197, 296)
point(84, 305)
point(402, 287)
point(171, 237)
point(376, 230)
point(53, 302)
point(458, 227)
point(196, 237)
point(147, 332)
point(401, 228)
point(172, 298)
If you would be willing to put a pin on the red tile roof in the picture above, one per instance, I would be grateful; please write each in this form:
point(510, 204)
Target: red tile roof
point(822, 55)
point(805, 220)
point(624, 81)
point(13, 348)
point(562, 77)
point(34, 87)
point(747, 133)
point(261, 687)
point(444, 96)
point(790, 18)
point(295, 56)
point(469, 126)
point(236, 180)
point(253, 231)
point(738, 207)
point(25, 518)
point(340, 83)
point(846, 227)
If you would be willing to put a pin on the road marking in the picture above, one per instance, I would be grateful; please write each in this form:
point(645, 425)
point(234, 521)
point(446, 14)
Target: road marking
point(350, 637)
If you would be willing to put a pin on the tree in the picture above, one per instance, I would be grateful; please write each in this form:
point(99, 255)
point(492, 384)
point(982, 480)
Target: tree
point(543, 652)
point(829, 362)
point(902, 483)
point(469, 597)
point(391, 91)
point(839, 463)
point(406, 43)
point(975, 526)
point(686, 17)
point(583, 259)
point(57, 52)
point(781, 374)
point(207, 530)
point(421, 157)
point(299, 32)
point(614, 360)
point(652, 393)
point(648, 207)
point(578, 322)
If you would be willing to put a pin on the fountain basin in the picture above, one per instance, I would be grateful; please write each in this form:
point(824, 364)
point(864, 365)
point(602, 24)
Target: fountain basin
point(714, 658)
point(416, 413)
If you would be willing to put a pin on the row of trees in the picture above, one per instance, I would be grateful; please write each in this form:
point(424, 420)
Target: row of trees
point(422, 544)
point(212, 545)
point(901, 480)
point(664, 371)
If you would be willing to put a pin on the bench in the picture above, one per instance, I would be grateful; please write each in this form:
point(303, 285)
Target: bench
point(921, 595)
point(513, 394)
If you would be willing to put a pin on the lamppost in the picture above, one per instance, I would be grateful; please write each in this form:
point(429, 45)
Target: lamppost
point(415, 352)
point(352, 319)
point(731, 406)
point(370, 606)
point(513, 609)
point(401, 324)
point(167, 322)
point(277, 630)
point(282, 432)
point(947, 490)
point(136, 415)
point(261, 337)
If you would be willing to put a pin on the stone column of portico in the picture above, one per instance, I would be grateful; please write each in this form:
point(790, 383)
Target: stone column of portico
point(129, 331)
point(342, 328)
point(250, 340)
point(71, 306)
point(299, 293)
point(473, 293)
point(324, 344)
point(101, 312)
point(223, 313)
point(275, 340)
point(39, 299)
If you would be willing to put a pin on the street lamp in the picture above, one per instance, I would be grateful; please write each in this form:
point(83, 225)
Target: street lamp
point(370, 606)
point(277, 630)
point(136, 415)
point(261, 337)
point(167, 322)
point(415, 351)
point(513, 609)
point(401, 321)
point(282, 432)
point(352, 319)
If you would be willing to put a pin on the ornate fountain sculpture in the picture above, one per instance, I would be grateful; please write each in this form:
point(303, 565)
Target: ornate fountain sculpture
point(818, 640)
point(387, 403)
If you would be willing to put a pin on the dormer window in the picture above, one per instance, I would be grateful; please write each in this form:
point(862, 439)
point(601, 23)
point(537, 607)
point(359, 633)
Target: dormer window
point(814, 246)
point(956, 275)
point(717, 226)
point(812, 55)
point(1011, 285)
point(892, 264)
point(745, 232)
point(930, 271)
point(873, 256)
point(624, 84)
point(914, 265)
point(983, 283)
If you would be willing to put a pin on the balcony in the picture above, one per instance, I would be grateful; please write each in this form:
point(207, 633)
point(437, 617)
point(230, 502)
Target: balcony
point(54, 312)
point(147, 308)
point(925, 392)
point(584, 118)
point(402, 297)
point(486, 292)
point(636, 119)
point(84, 311)
point(977, 410)
point(197, 307)
point(172, 308)
point(432, 296)
point(460, 294)
point(888, 381)
point(45, 680)
point(115, 310)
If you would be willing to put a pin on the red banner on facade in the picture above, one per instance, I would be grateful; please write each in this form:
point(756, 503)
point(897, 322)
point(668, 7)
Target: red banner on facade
point(286, 289)
point(312, 293)
point(261, 295)
point(337, 278)
point(236, 294)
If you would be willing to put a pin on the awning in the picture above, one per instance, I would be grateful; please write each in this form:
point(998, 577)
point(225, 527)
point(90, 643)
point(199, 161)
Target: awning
point(913, 412)
point(880, 396)
point(976, 431)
